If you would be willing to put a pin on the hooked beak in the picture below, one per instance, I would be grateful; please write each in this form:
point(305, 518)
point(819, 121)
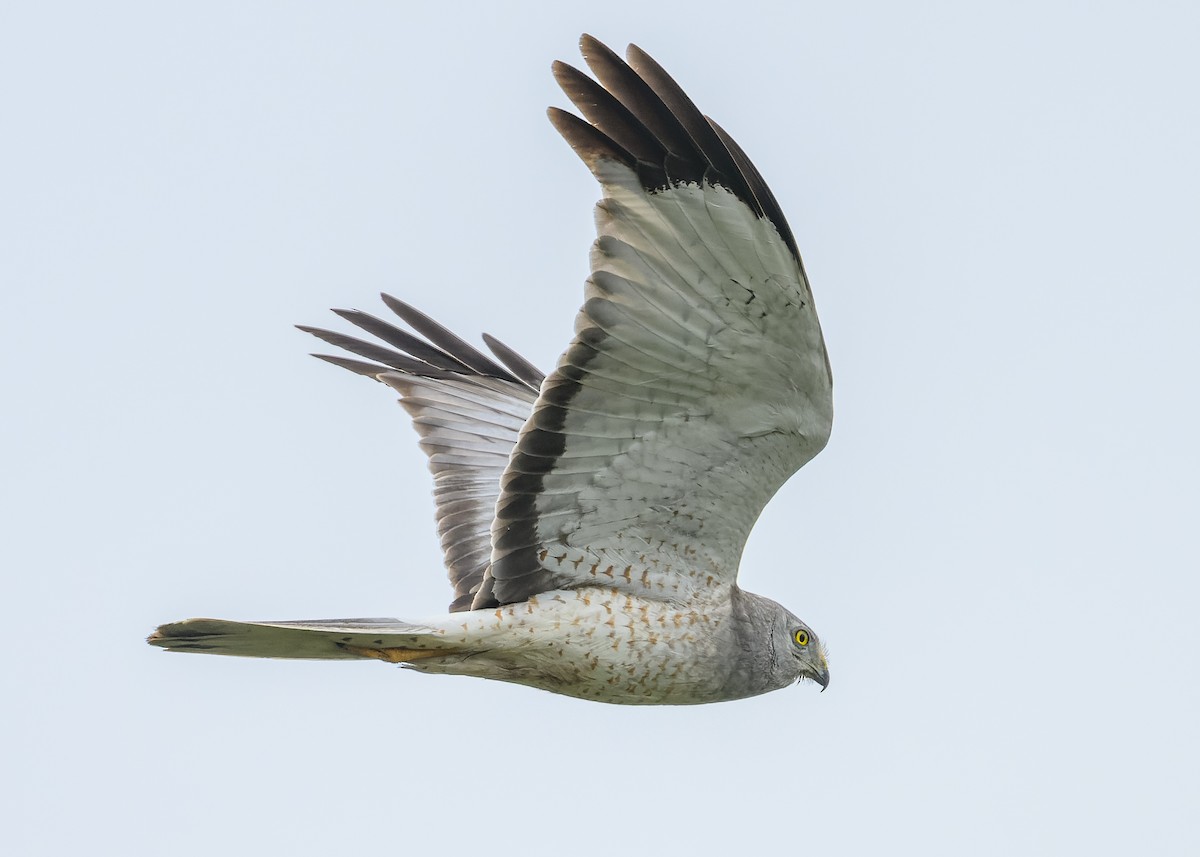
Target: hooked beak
point(822, 678)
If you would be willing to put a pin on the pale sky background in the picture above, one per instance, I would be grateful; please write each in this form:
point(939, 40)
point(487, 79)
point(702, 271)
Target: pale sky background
point(999, 207)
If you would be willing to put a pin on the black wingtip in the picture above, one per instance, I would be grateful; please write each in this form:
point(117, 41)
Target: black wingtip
point(441, 354)
point(358, 367)
point(639, 115)
point(450, 342)
point(519, 366)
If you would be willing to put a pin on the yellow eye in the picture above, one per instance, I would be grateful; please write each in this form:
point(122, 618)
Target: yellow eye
point(801, 637)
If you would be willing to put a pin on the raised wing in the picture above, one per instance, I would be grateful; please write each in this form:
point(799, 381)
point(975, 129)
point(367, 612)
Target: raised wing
point(697, 381)
point(468, 410)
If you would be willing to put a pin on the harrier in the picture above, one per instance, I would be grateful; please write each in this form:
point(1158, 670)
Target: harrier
point(593, 519)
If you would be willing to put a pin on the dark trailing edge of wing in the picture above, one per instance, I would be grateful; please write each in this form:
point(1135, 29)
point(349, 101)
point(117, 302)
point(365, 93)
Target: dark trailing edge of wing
point(515, 572)
point(639, 116)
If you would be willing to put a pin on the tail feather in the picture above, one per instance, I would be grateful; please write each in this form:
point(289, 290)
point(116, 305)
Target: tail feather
point(321, 639)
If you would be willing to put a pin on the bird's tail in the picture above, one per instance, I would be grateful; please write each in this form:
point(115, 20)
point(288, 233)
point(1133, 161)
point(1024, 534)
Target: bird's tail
point(320, 639)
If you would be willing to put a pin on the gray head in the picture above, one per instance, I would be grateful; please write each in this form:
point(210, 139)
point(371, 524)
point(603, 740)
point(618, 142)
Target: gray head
point(775, 648)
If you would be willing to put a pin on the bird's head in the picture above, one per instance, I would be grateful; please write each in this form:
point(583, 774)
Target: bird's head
point(798, 648)
point(775, 647)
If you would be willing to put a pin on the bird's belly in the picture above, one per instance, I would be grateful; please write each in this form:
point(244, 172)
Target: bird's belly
point(599, 644)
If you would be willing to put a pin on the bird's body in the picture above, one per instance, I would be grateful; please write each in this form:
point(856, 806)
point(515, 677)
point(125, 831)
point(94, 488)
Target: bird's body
point(593, 519)
point(598, 643)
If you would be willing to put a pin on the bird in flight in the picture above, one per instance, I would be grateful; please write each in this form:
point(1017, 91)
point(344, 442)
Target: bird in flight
point(593, 519)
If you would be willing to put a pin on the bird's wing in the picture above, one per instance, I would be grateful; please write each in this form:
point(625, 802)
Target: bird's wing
point(697, 381)
point(468, 410)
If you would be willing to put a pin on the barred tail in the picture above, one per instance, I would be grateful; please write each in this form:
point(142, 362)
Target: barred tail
point(323, 639)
